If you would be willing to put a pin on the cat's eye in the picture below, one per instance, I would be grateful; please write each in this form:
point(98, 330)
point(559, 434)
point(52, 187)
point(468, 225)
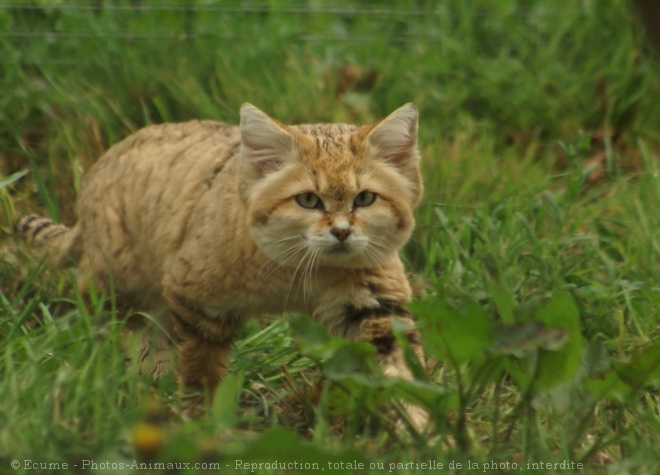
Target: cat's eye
point(364, 198)
point(309, 200)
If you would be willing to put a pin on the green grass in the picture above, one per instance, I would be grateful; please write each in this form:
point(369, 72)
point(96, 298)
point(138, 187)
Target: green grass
point(539, 130)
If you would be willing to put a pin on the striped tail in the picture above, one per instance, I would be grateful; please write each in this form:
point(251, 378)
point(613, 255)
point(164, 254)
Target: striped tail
point(63, 245)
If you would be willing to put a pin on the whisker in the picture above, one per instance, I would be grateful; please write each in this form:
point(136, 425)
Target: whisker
point(306, 276)
point(286, 250)
point(291, 252)
point(379, 249)
point(310, 273)
point(293, 277)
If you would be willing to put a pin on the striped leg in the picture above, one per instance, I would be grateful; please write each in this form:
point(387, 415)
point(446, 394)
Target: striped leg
point(375, 325)
point(364, 308)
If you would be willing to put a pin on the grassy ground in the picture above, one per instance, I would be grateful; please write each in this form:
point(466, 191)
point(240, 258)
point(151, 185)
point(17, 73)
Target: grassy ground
point(537, 252)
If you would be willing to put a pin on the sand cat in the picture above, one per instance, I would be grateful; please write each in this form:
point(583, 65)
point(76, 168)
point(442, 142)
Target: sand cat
point(217, 223)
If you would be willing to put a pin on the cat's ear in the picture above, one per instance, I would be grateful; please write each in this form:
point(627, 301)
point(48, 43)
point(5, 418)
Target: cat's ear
point(395, 137)
point(394, 141)
point(266, 145)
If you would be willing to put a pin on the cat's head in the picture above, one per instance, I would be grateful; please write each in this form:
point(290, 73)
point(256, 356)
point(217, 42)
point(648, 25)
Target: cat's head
point(330, 194)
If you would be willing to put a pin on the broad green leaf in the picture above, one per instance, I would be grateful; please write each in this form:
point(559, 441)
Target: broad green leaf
point(504, 301)
point(643, 368)
point(308, 332)
point(624, 381)
point(350, 359)
point(608, 385)
point(436, 398)
point(312, 338)
point(559, 344)
point(380, 391)
point(521, 339)
point(558, 366)
point(450, 333)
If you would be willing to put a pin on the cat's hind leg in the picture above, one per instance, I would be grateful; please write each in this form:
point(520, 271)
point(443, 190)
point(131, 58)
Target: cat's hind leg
point(145, 336)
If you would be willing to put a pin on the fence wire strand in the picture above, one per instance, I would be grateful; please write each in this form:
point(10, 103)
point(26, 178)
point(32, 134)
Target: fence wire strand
point(57, 34)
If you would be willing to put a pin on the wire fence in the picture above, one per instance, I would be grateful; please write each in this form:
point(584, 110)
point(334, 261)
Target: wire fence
point(24, 31)
point(252, 8)
point(47, 30)
point(53, 26)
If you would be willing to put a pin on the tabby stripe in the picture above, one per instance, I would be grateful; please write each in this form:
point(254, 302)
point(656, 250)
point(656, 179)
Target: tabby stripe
point(23, 225)
point(185, 326)
point(40, 227)
point(384, 344)
point(377, 324)
point(385, 307)
point(413, 338)
point(194, 309)
point(53, 232)
point(354, 314)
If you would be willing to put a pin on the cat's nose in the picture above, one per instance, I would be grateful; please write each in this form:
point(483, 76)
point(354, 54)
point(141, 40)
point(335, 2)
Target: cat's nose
point(341, 233)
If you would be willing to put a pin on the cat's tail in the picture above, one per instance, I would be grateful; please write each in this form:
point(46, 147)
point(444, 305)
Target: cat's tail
point(62, 245)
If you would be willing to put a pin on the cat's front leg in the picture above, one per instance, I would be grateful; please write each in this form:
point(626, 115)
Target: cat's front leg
point(203, 345)
point(365, 309)
point(374, 324)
